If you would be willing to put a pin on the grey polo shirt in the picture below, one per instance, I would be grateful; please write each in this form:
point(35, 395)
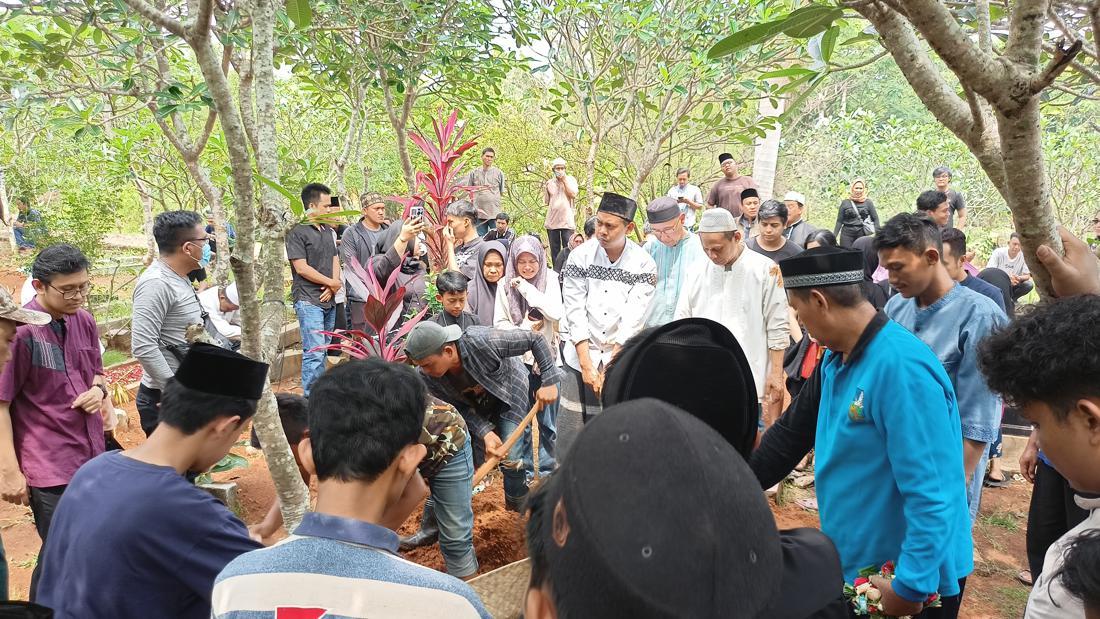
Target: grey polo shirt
point(317, 245)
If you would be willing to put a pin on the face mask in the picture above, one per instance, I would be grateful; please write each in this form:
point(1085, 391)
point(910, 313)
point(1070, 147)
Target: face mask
point(186, 253)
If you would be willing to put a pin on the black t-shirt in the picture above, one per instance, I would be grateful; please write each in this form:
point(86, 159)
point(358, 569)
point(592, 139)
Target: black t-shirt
point(788, 250)
point(955, 203)
point(317, 245)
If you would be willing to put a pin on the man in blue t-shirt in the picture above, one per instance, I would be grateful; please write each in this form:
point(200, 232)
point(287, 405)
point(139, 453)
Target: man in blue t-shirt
point(365, 420)
point(131, 537)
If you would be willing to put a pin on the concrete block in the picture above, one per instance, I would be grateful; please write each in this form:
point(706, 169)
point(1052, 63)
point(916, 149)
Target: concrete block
point(1011, 448)
point(287, 365)
point(290, 336)
point(226, 492)
point(120, 340)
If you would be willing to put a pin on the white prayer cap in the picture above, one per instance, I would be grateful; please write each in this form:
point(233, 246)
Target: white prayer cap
point(794, 196)
point(231, 294)
point(717, 219)
point(557, 162)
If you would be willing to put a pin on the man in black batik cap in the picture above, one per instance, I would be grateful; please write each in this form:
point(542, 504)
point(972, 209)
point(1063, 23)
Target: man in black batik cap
point(131, 521)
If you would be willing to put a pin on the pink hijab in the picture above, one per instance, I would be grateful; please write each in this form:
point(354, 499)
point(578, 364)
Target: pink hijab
point(526, 244)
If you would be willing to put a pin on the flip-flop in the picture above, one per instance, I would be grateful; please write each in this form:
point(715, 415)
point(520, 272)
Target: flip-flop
point(1025, 577)
point(994, 483)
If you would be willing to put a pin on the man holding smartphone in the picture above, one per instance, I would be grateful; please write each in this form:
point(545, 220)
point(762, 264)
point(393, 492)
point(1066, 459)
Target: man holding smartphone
point(688, 197)
point(315, 267)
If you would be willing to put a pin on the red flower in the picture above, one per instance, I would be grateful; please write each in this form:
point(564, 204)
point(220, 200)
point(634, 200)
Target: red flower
point(888, 568)
point(859, 581)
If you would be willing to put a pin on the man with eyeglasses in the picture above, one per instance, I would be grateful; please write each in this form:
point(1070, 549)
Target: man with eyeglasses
point(53, 395)
point(165, 304)
point(675, 250)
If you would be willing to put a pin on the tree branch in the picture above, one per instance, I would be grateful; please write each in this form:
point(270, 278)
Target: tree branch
point(200, 28)
point(158, 17)
point(951, 43)
point(1061, 59)
point(860, 64)
point(1025, 32)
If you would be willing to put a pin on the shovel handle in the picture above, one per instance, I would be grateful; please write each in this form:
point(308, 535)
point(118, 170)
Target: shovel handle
point(491, 462)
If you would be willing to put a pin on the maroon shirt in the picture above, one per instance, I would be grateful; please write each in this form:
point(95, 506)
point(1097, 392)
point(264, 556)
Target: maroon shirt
point(726, 193)
point(49, 367)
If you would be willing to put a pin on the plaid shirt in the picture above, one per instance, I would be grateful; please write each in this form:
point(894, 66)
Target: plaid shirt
point(491, 358)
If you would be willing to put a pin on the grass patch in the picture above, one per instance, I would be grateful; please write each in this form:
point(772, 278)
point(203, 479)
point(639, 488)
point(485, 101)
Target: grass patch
point(1012, 600)
point(26, 564)
point(1003, 520)
point(112, 356)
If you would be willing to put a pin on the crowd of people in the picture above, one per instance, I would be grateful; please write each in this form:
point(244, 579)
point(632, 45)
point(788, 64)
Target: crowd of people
point(639, 399)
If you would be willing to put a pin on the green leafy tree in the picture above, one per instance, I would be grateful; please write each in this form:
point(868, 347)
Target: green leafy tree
point(1001, 64)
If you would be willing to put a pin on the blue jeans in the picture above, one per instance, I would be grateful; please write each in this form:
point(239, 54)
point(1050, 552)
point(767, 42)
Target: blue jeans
point(454, 513)
point(311, 321)
point(547, 420)
point(21, 238)
point(974, 490)
point(517, 465)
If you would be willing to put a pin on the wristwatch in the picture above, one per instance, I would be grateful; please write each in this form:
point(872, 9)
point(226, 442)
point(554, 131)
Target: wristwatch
point(101, 388)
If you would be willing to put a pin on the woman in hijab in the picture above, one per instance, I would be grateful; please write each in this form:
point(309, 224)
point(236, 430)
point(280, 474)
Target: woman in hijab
point(529, 297)
point(482, 295)
point(875, 293)
point(854, 210)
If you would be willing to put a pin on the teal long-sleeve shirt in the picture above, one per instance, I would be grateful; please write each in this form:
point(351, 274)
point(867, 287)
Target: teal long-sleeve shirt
point(890, 481)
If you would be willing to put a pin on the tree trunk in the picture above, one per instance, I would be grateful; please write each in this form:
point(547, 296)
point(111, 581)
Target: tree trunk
point(766, 153)
point(213, 195)
point(351, 144)
point(292, 490)
point(590, 175)
point(146, 220)
point(1029, 196)
point(4, 213)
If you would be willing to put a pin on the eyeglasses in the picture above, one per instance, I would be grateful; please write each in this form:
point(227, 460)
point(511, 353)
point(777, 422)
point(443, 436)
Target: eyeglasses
point(664, 232)
point(201, 239)
point(72, 295)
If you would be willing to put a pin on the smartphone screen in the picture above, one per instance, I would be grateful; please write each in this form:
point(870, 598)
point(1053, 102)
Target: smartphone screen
point(335, 201)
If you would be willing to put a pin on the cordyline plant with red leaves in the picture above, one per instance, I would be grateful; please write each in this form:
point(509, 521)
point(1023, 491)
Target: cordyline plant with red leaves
point(436, 188)
point(382, 310)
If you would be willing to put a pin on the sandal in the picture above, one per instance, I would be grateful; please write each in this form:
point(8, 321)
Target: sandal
point(1025, 577)
point(996, 483)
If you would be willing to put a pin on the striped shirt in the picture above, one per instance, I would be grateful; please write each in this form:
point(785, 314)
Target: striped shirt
point(492, 359)
point(336, 568)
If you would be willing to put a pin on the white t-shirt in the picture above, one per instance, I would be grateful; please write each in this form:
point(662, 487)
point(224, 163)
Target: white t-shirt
point(691, 192)
point(1013, 266)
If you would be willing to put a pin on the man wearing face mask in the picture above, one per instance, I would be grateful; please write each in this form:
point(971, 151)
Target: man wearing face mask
point(165, 304)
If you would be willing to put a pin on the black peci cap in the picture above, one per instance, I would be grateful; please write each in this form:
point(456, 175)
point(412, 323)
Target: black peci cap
point(618, 205)
point(720, 389)
point(217, 371)
point(822, 266)
point(654, 514)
